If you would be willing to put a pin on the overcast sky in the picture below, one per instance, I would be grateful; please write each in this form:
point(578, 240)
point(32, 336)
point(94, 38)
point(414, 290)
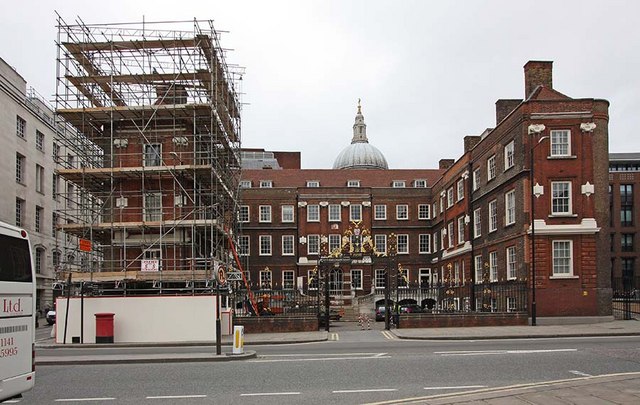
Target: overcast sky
point(428, 72)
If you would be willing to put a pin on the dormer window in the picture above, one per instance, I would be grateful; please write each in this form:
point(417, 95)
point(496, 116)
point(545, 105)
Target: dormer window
point(420, 183)
point(313, 183)
point(353, 183)
point(266, 183)
point(398, 184)
point(245, 183)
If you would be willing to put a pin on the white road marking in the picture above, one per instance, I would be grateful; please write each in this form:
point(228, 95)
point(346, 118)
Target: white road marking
point(365, 390)
point(319, 359)
point(321, 354)
point(580, 373)
point(177, 396)
point(460, 387)
point(494, 352)
point(389, 335)
point(84, 399)
point(258, 394)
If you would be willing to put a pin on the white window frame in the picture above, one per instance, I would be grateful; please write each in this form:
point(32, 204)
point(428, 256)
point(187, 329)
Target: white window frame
point(358, 285)
point(491, 167)
point(560, 143)
point(567, 261)
point(380, 212)
point(265, 214)
point(244, 213)
point(287, 213)
point(424, 211)
point(450, 234)
point(288, 245)
point(493, 266)
point(493, 216)
point(420, 183)
point(288, 280)
point(435, 240)
point(398, 184)
point(266, 246)
point(313, 213)
point(425, 273)
point(510, 207)
point(245, 184)
point(554, 197)
point(402, 212)
point(403, 246)
point(512, 304)
point(510, 255)
point(479, 269)
point(266, 279)
point(449, 197)
point(313, 183)
point(477, 223)
point(460, 190)
point(335, 242)
point(476, 179)
point(403, 278)
point(266, 183)
point(353, 183)
point(509, 155)
point(353, 210)
point(461, 229)
point(332, 211)
point(424, 243)
point(313, 244)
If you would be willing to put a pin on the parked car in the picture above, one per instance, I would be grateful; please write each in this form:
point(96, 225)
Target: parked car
point(380, 314)
point(410, 309)
point(51, 317)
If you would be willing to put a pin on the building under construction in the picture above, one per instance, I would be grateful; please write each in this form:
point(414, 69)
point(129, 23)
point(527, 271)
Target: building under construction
point(148, 155)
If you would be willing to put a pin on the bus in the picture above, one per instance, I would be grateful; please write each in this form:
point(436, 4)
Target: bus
point(17, 312)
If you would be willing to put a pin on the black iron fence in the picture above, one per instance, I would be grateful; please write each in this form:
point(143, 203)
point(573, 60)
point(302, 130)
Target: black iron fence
point(626, 297)
point(508, 296)
point(275, 302)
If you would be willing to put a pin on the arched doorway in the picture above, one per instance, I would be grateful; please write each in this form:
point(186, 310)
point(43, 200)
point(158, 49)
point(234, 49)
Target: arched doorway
point(336, 282)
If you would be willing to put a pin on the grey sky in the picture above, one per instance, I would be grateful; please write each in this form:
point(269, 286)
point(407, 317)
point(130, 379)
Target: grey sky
point(428, 73)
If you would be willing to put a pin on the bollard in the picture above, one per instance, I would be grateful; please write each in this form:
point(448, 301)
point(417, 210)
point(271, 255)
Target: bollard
point(238, 340)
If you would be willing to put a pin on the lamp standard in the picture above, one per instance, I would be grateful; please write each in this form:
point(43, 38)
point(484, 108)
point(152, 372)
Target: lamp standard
point(392, 250)
point(536, 191)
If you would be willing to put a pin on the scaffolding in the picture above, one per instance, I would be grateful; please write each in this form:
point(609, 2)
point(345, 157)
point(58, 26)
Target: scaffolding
point(147, 152)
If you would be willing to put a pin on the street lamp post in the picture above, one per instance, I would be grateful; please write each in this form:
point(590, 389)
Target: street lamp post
point(536, 191)
point(391, 254)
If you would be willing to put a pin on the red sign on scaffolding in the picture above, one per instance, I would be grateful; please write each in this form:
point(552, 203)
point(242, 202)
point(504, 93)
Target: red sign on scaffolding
point(85, 245)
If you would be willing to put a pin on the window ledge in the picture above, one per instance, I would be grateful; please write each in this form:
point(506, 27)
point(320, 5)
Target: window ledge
point(563, 216)
point(510, 224)
point(561, 157)
point(564, 277)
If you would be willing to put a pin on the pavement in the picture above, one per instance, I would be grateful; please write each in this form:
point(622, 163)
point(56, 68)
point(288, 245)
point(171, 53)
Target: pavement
point(608, 389)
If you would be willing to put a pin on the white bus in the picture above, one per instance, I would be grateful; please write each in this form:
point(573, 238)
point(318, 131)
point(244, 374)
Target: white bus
point(17, 312)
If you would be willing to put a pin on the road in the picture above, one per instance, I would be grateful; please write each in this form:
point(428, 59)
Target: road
point(355, 367)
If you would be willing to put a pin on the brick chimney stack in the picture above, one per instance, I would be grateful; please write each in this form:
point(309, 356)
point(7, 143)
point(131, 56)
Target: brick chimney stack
point(537, 73)
point(504, 107)
point(446, 163)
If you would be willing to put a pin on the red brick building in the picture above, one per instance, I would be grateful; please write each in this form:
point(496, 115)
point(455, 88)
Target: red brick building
point(465, 223)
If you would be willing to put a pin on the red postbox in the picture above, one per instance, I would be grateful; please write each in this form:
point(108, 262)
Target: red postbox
point(104, 327)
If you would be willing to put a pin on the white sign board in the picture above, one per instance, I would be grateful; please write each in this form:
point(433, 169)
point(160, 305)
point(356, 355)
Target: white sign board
point(150, 265)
